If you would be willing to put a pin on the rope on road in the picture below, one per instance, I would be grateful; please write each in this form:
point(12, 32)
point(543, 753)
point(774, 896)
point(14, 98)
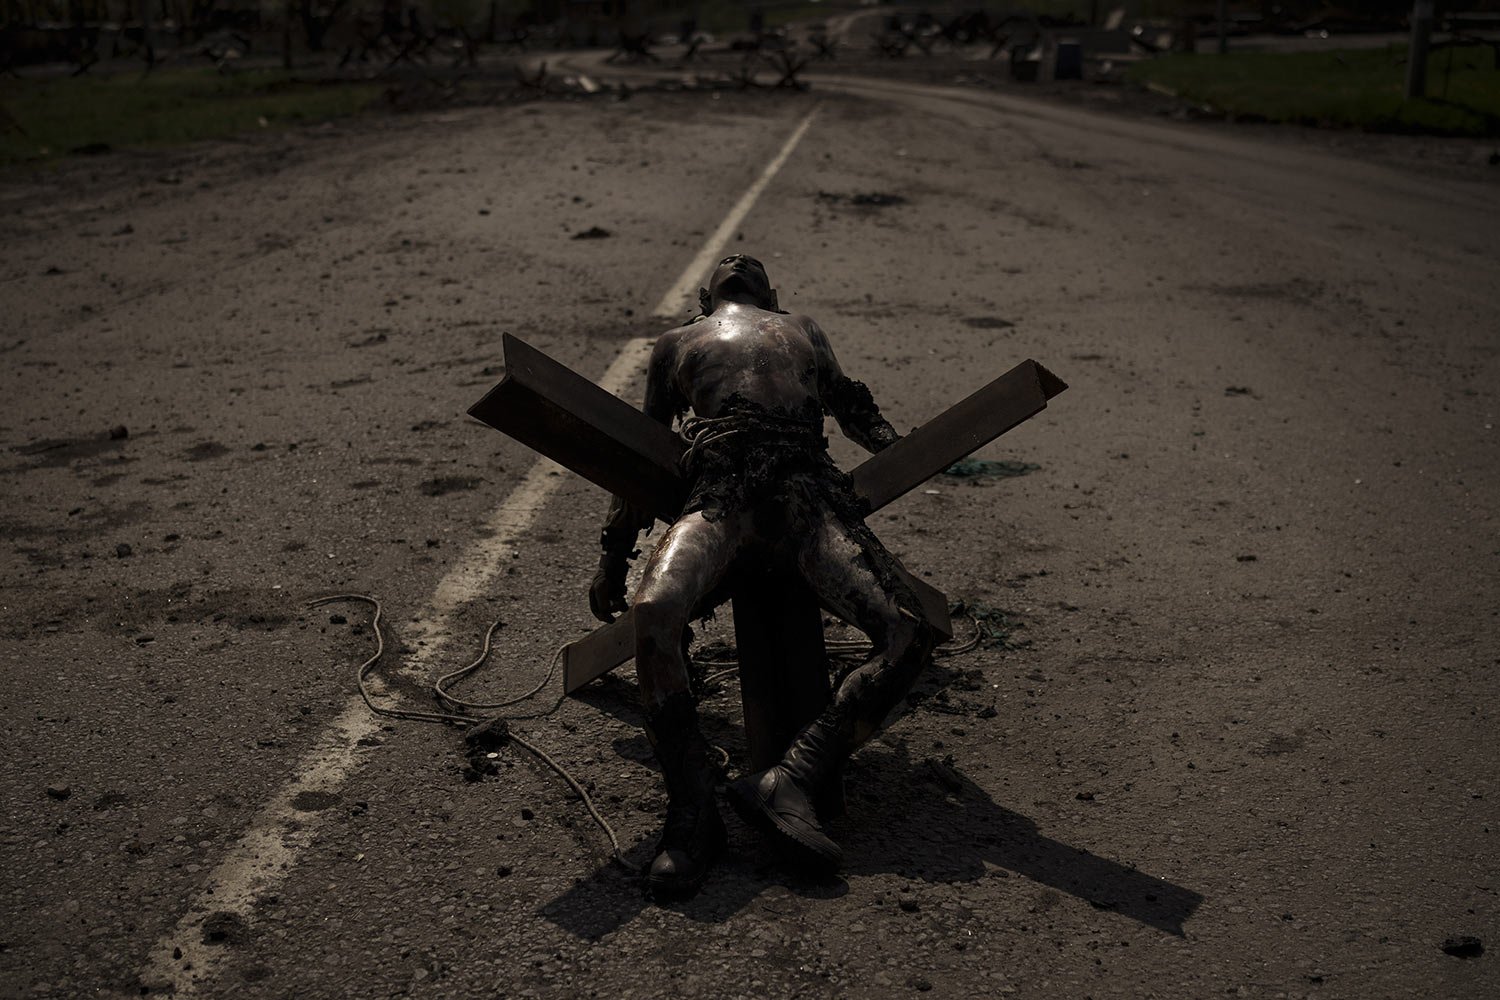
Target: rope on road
point(440, 690)
point(852, 649)
point(846, 649)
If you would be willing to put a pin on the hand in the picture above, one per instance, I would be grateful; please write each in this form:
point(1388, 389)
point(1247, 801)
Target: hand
point(607, 591)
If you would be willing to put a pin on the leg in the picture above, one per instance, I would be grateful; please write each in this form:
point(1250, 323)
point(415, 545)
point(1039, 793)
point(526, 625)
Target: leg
point(688, 564)
point(849, 570)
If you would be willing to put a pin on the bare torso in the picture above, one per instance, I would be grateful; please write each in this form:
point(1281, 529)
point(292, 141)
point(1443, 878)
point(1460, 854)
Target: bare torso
point(767, 358)
point(738, 352)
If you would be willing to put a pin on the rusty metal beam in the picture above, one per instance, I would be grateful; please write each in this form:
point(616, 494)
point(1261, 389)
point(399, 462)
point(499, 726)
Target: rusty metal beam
point(608, 646)
point(599, 652)
point(934, 603)
point(559, 413)
point(554, 410)
point(958, 431)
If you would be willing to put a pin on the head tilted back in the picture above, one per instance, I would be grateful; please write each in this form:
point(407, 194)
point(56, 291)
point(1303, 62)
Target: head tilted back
point(730, 269)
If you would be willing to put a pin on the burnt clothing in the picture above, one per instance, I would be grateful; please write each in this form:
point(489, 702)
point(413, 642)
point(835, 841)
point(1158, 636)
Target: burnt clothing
point(774, 465)
point(855, 408)
point(749, 454)
point(622, 526)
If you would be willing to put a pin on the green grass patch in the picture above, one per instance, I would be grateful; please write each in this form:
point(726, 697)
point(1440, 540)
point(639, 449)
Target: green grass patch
point(1349, 89)
point(996, 628)
point(45, 118)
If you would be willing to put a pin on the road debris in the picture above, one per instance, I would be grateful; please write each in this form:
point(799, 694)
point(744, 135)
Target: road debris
point(224, 927)
point(943, 773)
point(1463, 946)
point(985, 468)
point(490, 735)
point(868, 199)
point(443, 485)
point(995, 627)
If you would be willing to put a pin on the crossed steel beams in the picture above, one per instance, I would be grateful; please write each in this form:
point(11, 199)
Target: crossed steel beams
point(554, 410)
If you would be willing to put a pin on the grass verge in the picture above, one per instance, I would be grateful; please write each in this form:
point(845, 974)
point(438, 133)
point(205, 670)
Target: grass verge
point(1347, 89)
point(46, 118)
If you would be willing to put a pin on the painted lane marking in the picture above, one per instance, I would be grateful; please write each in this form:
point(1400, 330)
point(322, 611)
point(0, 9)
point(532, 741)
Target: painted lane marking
point(684, 294)
point(182, 960)
point(268, 851)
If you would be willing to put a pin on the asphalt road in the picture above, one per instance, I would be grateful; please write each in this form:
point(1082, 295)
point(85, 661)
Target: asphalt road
point(1240, 740)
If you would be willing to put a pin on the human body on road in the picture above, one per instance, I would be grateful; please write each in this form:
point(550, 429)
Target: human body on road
point(757, 381)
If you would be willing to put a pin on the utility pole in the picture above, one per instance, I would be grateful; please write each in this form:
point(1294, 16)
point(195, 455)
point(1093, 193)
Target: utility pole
point(1416, 59)
point(1223, 13)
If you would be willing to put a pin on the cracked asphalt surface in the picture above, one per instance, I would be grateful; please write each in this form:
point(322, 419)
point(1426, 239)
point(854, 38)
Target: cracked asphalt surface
point(1238, 738)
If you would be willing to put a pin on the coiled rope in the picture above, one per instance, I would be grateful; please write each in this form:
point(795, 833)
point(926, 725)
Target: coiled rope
point(702, 433)
point(844, 649)
point(441, 691)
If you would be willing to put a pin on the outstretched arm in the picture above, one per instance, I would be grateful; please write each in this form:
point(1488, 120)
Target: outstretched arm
point(847, 400)
point(625, 522)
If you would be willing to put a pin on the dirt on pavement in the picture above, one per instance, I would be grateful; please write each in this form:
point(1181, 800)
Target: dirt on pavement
point(1237, 736)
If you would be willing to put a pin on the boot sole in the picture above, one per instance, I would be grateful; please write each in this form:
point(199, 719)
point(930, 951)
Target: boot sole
point(757, 815)
point(677, 890)
point(659, 889)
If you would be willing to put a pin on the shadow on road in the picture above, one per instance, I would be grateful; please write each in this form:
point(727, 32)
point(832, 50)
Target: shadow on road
point(951, 828)
point(923, 820)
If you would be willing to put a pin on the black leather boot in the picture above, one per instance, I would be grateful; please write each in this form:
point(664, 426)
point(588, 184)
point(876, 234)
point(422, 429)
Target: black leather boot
point(780, 801)
point(694, 836)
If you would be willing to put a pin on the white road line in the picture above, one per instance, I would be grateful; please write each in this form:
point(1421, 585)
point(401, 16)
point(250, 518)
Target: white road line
point(181, 960)
point(684, 294)
point(268, 850)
